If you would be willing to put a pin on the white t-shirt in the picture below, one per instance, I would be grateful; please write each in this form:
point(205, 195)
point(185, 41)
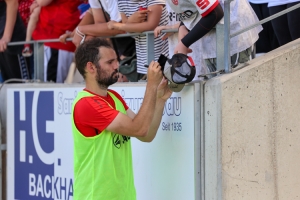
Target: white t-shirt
point(280, 2)
point(241, 16)
point(196, 47)
point(110, 6)
point(128, 7)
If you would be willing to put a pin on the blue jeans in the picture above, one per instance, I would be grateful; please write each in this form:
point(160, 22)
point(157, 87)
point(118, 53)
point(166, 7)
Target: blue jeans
point(1, 79)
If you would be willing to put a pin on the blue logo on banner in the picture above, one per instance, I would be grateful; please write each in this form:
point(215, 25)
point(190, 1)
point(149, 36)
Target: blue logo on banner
point(34, 146)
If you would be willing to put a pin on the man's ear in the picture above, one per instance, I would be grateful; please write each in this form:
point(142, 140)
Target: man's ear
point(90, 68)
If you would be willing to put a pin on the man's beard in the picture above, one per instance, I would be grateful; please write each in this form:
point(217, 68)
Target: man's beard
point(104, 80)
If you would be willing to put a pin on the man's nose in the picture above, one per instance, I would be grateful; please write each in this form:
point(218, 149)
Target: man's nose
point(116, 66)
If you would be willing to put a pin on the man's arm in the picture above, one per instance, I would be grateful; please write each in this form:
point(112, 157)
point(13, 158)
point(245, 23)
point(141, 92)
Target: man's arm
point(204, 25)
point(11, 16)
point(153, 19)
point(99, 28)
point(163, 94)
point(140, 124)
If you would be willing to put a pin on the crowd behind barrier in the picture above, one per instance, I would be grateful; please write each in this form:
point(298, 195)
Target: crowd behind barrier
point(224, 35)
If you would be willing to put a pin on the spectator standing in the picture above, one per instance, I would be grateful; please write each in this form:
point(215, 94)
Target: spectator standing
point(198, 20)
point(12, 29)
point(135, 19)
point(286, 27)
point(267, 40)
point(57, 17)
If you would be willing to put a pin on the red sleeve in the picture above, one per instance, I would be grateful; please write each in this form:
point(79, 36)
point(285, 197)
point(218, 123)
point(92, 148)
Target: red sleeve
point(92, 115)
point(120, 98)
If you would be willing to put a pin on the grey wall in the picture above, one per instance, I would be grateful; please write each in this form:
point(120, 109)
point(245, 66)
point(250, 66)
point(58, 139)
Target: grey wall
point(252, 129)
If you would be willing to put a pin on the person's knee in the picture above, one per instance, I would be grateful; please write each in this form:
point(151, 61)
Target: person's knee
point(35, 14)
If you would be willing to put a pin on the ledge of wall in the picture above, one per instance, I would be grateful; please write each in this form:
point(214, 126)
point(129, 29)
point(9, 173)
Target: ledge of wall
point(252, 129)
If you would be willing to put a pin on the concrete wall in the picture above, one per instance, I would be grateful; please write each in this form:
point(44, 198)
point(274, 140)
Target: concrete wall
point(252, 129)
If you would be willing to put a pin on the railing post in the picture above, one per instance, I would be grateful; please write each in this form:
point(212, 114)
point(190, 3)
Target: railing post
point(150, 46)
point(38, 61)
point(220, 46)
point(223, 40)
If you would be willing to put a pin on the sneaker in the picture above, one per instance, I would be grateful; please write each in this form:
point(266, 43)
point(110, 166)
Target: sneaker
point(27, 52)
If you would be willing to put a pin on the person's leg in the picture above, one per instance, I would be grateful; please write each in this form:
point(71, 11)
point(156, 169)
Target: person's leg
point(294, 21)
point(13, 66)
point(33, 19)
point(262, 44)
point(1, 79)
point(47, 56)
point(271, 37)
point(52, 66)
point(65, 59)
point(280, 25)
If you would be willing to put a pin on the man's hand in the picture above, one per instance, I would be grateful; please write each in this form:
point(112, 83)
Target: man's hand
point(3, 44)
point(63, 37)
point(163, 91)
point(154, 74)
point(138, 16)
point(157, 30)
point(111, 24)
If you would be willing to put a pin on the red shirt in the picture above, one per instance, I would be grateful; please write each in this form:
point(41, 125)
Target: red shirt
point(93, 114)
point(55, 19)
point(24, 10)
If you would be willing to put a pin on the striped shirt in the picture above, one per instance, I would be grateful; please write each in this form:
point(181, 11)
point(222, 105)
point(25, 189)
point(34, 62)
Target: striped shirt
point(129, 7)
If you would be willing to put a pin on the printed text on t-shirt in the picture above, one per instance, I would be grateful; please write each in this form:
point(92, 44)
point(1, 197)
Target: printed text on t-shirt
point(202, 4)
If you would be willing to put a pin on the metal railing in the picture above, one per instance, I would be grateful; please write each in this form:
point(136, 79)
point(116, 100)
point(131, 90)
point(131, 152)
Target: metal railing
point(222, 33)
point(38, 49)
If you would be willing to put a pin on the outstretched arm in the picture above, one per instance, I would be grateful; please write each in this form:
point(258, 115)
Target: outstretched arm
point(204, 25)
point(99, 27)
point(157, 30)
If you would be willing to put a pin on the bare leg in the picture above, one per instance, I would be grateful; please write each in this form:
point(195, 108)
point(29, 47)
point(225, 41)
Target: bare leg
point(34, 17)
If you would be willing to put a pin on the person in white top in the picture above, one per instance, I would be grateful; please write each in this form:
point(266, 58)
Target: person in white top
point(196, 53)
point(267, 39)
point(198, 20)
point(286, 27)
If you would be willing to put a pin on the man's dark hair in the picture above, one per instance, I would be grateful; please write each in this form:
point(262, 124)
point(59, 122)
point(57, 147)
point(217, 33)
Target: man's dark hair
point(89, 52)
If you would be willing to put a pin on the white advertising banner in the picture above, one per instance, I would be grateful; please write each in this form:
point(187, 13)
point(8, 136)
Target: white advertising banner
point(40, 145)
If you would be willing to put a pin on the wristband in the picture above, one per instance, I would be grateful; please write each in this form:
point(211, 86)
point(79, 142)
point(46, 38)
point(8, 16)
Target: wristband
point(82, 35)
